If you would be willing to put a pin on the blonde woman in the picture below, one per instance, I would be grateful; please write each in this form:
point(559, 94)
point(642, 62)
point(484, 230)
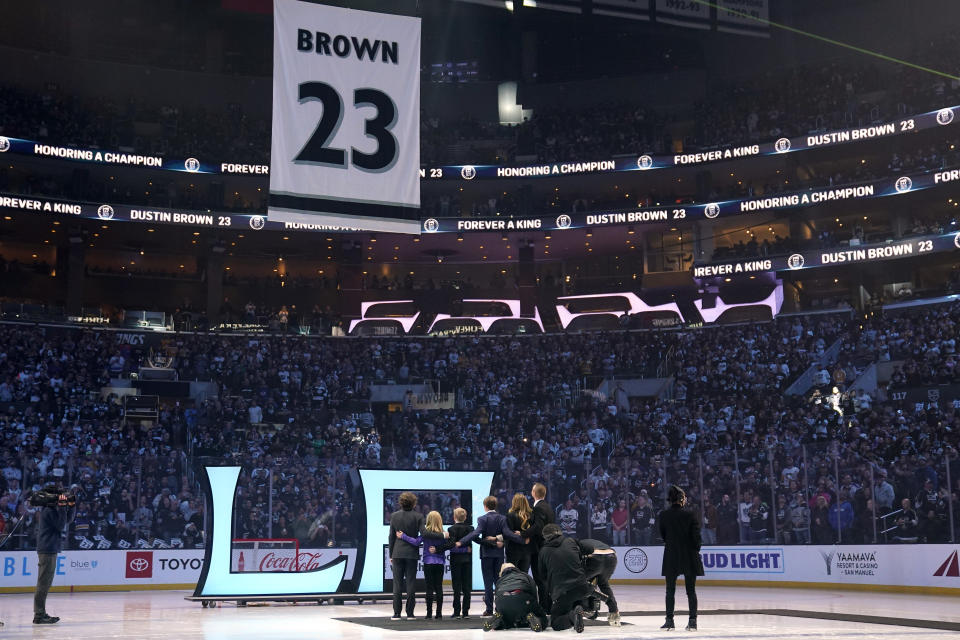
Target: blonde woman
point(434, 544)
point(519, 520)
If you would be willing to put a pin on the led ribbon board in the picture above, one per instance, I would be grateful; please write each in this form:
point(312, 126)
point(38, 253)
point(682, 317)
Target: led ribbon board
point(856, 254)
point(217, 579)
point(880, 188)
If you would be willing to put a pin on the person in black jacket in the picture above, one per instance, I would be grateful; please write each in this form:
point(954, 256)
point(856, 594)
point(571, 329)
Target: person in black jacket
point(561, 565)
point(599, 563)
point(51, 526)
point(461, 564)
point(403, 556)
point(516, 601)
point(520, 519)
point(542, 516)
point(681, 553)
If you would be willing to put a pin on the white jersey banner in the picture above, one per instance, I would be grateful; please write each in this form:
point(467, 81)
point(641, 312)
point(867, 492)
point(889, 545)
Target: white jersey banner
point(683, 13)
point(345, 150)
point(747, 17)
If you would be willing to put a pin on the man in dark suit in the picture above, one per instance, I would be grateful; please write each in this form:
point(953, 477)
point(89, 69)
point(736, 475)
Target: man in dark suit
point(542, 516)
point(491, 530)
point(403, 556)
point(681, 553)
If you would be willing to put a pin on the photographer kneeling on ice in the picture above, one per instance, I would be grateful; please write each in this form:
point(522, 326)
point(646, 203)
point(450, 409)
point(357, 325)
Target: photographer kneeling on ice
point(561, 564)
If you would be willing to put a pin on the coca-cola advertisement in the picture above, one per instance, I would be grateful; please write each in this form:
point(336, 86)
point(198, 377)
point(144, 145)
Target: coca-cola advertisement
point(260, 556)
point(284, 561)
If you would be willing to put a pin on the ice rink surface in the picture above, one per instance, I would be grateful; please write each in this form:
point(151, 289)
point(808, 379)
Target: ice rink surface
point(166, 615)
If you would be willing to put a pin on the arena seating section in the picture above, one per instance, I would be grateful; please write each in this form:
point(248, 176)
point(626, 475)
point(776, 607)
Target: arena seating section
point(760, 465)
point(293, 412)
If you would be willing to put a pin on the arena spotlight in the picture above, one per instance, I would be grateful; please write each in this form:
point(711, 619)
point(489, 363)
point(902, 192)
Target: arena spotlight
point(504, 237)
point(630, 230)
point(459, 237)
point(547, 235)
point(589, 232)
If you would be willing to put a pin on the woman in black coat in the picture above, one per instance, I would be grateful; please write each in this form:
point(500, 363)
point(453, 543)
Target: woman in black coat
point(520, 519)
point(820, 519)
point(681, 554)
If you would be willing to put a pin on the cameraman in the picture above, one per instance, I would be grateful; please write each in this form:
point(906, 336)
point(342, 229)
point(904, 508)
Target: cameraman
point(58, 509)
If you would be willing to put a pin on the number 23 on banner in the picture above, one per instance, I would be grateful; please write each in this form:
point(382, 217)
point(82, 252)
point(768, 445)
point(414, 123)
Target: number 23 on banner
point(317, 149)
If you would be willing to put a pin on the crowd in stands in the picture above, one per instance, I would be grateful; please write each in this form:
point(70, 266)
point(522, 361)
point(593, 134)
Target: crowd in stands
point(760, 465)
point(57, 117)
point(754, 249)
point(807, 99)
point(928, 348)
point(296, 414)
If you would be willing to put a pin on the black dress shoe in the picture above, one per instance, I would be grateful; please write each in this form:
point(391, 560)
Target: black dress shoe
point(692, 624)
point(45, 619)
point(668, 625)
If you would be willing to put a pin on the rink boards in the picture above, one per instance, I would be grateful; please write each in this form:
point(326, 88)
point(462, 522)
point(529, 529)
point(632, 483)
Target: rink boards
point(920, 568)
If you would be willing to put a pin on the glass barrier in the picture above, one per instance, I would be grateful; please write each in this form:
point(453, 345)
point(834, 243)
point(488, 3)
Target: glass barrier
point(610, 486)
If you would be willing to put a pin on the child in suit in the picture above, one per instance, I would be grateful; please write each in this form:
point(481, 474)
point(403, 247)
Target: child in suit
point(461, 564)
